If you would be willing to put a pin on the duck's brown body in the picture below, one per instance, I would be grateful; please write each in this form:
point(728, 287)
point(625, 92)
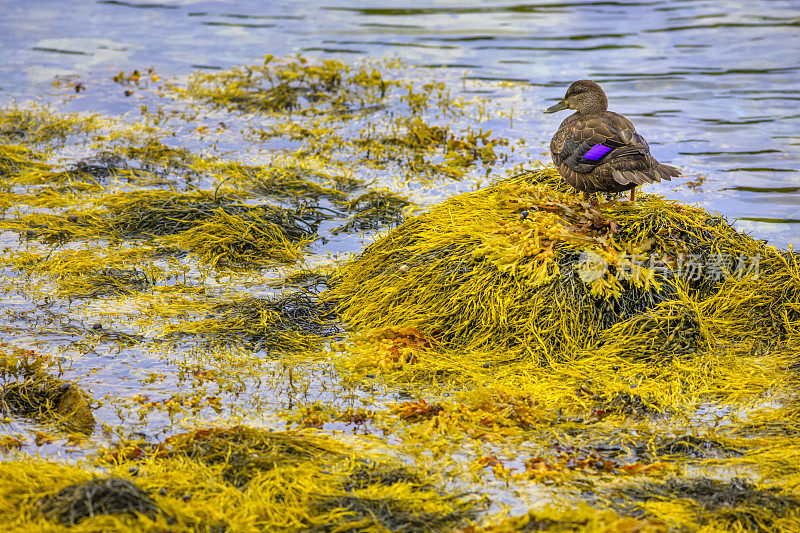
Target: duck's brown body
point(596, 150)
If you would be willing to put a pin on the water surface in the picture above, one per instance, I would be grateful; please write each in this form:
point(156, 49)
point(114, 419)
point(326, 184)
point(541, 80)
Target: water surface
point(713, 85)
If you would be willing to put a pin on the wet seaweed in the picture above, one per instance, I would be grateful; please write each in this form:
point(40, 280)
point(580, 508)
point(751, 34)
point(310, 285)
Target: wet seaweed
point(695, 447)
point(671, 329)
point(38, 125)
point(564, 277)
point(15, 160)
point(624, 403)
point(373, 210)
point(152, 214)
point(156, 157)
point(371, 473)
point(293, 322)
point(657, 447)
point(246, 451)
point(221, 231)
point(114, 282)
point(97, 497)
point(314, 281)
point(580, 519)
point(79, 274)
point(212, 479)
point(367, 502)
point(358, 513)
point(736, 503)
point(428, 150)
point(298, 184)
point(326, 97)
point(256, 238)
point(216, 229)
point(50, 399)
point(101, 167)
point(291, 85)
point(493, 257)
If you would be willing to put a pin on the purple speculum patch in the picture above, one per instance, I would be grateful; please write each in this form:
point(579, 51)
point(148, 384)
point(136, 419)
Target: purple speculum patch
point(596, 152)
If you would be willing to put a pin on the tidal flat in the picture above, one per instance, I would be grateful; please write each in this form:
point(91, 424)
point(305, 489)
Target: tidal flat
point(301, 294)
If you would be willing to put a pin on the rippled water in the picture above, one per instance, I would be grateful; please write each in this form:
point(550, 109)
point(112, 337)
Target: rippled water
point(713, 85)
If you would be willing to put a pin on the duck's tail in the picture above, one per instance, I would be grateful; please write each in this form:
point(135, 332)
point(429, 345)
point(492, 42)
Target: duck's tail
point(653, 174)
point(666, 172)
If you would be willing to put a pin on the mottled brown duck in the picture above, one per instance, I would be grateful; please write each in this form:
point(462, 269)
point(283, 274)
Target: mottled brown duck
point(597, 150)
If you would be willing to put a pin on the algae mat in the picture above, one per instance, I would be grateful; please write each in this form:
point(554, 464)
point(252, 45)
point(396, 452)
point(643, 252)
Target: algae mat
point(313, 295)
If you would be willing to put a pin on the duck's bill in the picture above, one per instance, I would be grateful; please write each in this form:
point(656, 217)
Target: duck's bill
point(558, 107)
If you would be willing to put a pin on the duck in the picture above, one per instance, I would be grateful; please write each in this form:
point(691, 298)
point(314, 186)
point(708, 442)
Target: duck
point(597, 150)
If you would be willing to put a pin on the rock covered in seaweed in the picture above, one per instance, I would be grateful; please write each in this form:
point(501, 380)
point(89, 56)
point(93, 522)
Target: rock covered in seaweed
point(30, 390)
point(654, 280)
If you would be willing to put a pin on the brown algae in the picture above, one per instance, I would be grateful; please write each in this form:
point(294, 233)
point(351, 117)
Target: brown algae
point(29, 389)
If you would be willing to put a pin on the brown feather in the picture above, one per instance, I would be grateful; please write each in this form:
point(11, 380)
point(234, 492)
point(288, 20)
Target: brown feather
point(633, 177)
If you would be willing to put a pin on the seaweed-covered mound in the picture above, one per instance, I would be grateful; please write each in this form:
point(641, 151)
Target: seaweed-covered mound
point(528, 269)
point(28, 388)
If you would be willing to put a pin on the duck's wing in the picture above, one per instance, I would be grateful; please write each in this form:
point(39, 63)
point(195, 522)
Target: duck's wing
point(588, 141)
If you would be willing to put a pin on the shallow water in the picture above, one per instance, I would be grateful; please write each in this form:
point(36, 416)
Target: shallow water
point(713, 86)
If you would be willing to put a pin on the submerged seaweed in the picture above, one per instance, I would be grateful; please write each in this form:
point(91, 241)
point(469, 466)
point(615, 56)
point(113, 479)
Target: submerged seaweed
point(373, 210)
point(696, 447)
point(371, 473)
point(115, 282)
point(101, 167)
point(150, 215)
point(302, 185)
point(286, 86)
point(288, 323)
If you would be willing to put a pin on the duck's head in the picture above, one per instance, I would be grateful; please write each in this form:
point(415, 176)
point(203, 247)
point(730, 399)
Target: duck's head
point(585, 97)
